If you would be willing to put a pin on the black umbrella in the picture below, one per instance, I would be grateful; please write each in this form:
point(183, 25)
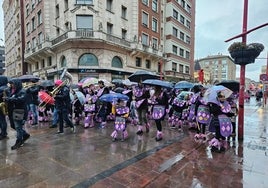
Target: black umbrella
point(142, 75)
point(119, 90)
point(230, 84)
point(46, 83)
point(28, 78)
point(161, 83)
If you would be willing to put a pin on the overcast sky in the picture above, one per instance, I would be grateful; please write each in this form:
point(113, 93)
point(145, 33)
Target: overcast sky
point(217, 21)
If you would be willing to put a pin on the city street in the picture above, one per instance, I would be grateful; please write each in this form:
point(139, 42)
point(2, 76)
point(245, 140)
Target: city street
point(89, 158)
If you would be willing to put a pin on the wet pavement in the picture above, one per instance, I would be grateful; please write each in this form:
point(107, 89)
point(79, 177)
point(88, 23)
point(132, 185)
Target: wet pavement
point(89, 158)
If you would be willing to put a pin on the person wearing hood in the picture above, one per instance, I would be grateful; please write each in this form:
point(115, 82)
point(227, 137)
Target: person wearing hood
point(17, 110)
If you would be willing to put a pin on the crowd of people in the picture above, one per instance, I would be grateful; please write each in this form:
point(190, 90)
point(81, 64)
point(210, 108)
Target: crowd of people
point(147, 105)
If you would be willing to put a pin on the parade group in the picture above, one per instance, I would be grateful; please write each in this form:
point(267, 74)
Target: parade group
point(204, 110)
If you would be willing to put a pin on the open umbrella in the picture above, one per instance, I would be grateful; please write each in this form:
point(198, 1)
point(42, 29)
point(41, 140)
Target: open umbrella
point(230, 84)
point(46, 83)
point(127, 82)
point(111, 97)
point(212, 92)
point(119, 90)
point(80, 96)
point(46, 98)
point(161, 83)
point(183, 85)
point(142, 75)
point(90, 81)
point(28, 78)
point(117, 81)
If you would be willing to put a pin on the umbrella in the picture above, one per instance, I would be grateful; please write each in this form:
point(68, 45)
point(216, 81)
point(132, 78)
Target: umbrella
point(106, 82)
point(46, 98)
point(212, 92)
point(161, 83)
point(183, 85)
point(28, 77)
point(196, 88)
point(142, 75)
point(89, 81)
point(230, 84)
point(46, 83)
point(111, 97)
point(119, 90)
point(127, 82)
point(80, 96)
point(117, 81)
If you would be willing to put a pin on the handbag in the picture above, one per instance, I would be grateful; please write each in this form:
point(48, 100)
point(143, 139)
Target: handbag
point(158, 112)
point(18, 114)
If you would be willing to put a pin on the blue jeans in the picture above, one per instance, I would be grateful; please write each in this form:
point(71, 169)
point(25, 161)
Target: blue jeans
point(3, 125)
point(19, 129)
point(55, 117)
point(33, 109)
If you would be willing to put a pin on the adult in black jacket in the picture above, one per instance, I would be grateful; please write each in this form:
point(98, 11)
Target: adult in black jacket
point(63, 105)
point(18, 111)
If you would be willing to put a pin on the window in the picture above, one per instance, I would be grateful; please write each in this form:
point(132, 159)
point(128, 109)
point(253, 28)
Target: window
point(49, 61)
point(182, 36)
point(175, 32)
point(124, 12)
point(124, 34)
point(33, 24)
point(187, 70)
point(63, 62)
point(175, 14)
point(84, 2)
point(39, 17)
point(181, 52)
point(145, 2)
point(88, 60)
point(40, 38)
point(43, 63)
point(144, 39)
point(188, 9)
point(28, 46)
point(155, 5)
point(148, 64)
point(154, 25)
point(109, 5)
point(84, 22)
point(154, 43)
point(182, 19)
point(36, 66)
point(174, 66)
point(181, 68)
point(188, 24)
point(28, 28)
point(66, 4)
point(34, 42)
point(109, 28)
point(145, 18)
point(188, 40)
point(116, 62)
point(183, 3)
point(138, 62)
point(174, 49)
point(33, 4)
point(27, 10)
point(57, 11)
point(187, 55)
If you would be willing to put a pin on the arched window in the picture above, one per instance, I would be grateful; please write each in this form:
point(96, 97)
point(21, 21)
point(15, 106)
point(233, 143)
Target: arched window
point(63, 62)
point(88, 60)
point(116, 62)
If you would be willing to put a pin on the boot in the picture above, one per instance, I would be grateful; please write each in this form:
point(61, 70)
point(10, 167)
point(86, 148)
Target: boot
point(91, 122)
point(114, 135)
point(124, 135)
point(139, 132)
point(159, 136)
point(86, 122)
point(17, 145)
